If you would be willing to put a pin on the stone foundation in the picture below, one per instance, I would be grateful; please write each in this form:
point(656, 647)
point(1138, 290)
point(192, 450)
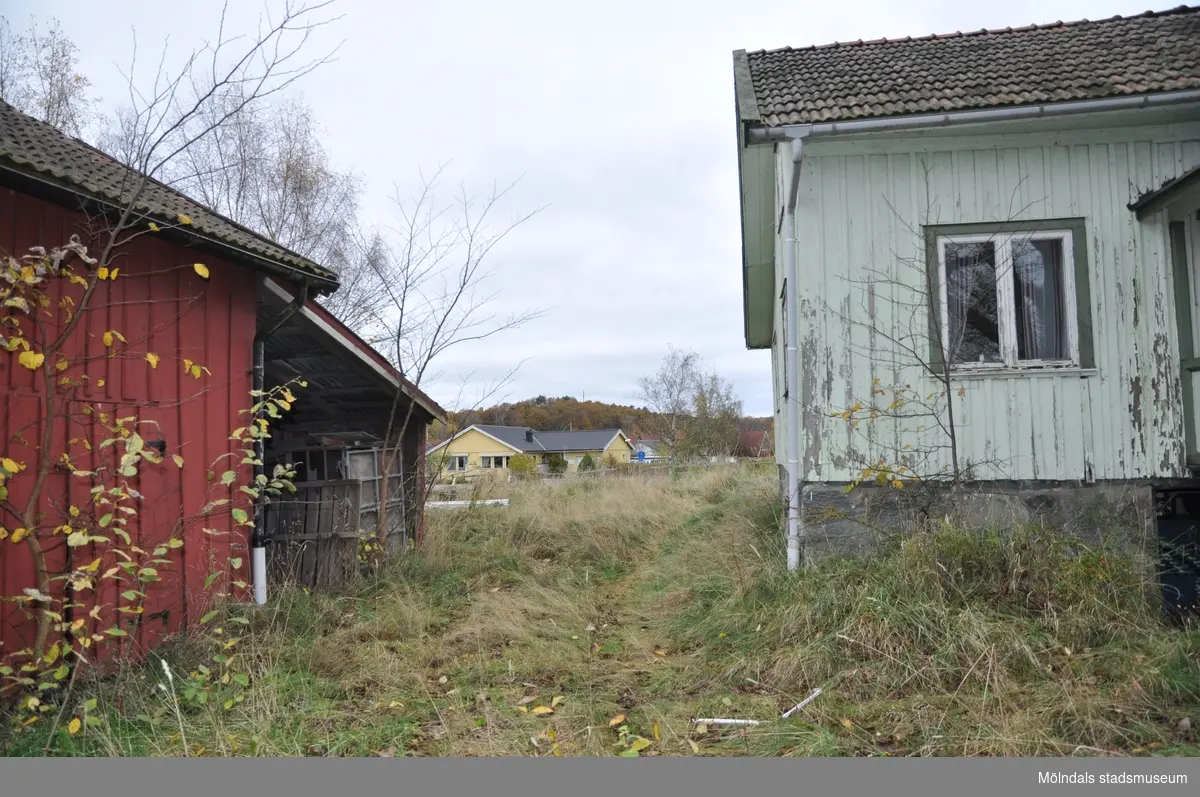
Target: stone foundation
point(838, 523)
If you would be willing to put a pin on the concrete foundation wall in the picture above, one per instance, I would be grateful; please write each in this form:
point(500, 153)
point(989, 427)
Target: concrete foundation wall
point(840, 523)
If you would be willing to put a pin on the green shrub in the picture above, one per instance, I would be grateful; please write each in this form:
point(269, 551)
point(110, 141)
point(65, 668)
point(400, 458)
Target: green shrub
point(556, 463)
point(587, 463)
point(522, 463)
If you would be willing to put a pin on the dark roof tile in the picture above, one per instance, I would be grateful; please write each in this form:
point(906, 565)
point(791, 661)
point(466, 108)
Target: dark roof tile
point(34, 148)
point(1151, 52)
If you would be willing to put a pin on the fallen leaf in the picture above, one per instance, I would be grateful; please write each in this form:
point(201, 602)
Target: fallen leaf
point(1184, 725)
point(554, 703)
point(659, 650)
point(73, 726)
point(701, 729)
point(590, 627)
point(657, 735)
point(542, 710)
point(494, 589)
point(639, 743)
point(395, 704)
point(526, 700)
point(695, 747)
point(452, 692)
point(726, 702)
point(847, 723)
point(617, 720)
point(522, 709)
point(443, 680)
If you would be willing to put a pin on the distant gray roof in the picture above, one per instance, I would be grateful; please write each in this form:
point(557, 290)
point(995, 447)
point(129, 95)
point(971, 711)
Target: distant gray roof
point(563, 442)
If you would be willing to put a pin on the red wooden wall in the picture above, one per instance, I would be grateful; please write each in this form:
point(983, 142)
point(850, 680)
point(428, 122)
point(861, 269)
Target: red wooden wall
point(160, 305)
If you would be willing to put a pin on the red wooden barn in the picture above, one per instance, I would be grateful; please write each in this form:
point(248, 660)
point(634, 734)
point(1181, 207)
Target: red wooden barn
point(53, 187)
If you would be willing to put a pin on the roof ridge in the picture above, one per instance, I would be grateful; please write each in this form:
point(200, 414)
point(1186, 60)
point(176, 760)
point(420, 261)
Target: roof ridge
point(1181, 9)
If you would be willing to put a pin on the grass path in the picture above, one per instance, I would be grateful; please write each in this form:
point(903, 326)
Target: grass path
point(584, 618)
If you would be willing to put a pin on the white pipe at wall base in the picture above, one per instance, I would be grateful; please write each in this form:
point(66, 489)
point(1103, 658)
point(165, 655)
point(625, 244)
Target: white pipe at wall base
point(258, 563)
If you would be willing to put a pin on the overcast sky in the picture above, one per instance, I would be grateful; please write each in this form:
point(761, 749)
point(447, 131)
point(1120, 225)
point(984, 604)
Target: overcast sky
point(617, 116)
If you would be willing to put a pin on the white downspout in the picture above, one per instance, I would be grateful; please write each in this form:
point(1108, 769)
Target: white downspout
point(795, 538)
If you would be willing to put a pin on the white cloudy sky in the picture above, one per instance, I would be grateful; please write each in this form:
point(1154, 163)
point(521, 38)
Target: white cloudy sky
point(618, 116)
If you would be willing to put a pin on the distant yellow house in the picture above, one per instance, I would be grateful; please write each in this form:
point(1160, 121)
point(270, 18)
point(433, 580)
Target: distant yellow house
point(485, 449)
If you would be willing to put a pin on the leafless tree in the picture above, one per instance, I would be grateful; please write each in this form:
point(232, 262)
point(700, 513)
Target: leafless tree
point(39, 75)
point(435, 286)
point(669, 394)
point(907, 431)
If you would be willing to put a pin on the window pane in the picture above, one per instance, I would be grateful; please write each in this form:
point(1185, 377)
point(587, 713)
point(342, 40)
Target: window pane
point(971, 306)
point(1039, 294)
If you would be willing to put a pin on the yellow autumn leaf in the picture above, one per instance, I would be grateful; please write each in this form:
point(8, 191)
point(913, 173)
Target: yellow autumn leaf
point(113, 275)
point(695, 747)
point(184, 219)
point(847, 723)
point(31, 359)
point(196, 371)
point(61, 365)
point(657, 732)
point(659, 650)
point(617, 720)
point(74, 725)
point(152, 358)
point(522, 709)
point(178, 460)
point(639, 743)
point(108, 338)
point(542, 710)
point(153, 227)
point(19, 534)
point(554, 703)
point(10, 465)
point(102, 272)
point(201, 270)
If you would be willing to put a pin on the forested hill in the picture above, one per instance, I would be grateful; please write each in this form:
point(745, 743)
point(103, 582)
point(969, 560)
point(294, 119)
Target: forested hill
point(567, 412)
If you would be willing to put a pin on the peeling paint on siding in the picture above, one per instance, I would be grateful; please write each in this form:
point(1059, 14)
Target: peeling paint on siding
point(1131, 421)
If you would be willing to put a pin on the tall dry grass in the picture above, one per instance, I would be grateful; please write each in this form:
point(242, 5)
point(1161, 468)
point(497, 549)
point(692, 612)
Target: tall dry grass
point(662, 598)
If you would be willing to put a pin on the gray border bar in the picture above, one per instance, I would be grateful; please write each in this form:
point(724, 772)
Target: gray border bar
point(608, 777)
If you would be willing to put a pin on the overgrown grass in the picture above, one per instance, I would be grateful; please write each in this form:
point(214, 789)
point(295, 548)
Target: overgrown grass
point(663, 599)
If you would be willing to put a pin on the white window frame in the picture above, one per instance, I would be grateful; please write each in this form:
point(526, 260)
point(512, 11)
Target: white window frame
point(452, 465)
point(489, 461)
point(1006, 299)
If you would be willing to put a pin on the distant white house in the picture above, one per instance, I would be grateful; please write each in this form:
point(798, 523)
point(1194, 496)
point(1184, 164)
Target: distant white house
point(648, 447)
point(975, 255)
